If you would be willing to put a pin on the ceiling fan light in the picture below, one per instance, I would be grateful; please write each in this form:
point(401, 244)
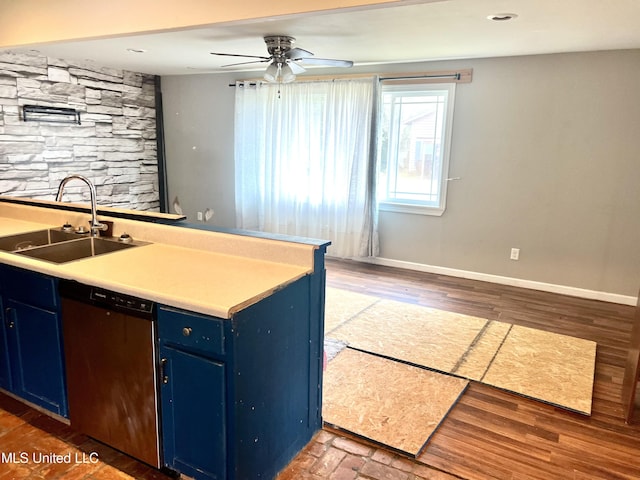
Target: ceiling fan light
point(286, 74)
point(272, 72)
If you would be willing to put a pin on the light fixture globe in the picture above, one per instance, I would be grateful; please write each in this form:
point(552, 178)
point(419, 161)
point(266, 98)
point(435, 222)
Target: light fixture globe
point(272, 73)
point(286, 74)
point(279, 72)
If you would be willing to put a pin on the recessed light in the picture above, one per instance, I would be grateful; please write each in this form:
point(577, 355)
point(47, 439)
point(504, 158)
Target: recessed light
point(502, 17)
point(136, 50)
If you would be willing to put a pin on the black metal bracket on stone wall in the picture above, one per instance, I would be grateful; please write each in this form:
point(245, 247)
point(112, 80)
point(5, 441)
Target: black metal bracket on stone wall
point(39, 113)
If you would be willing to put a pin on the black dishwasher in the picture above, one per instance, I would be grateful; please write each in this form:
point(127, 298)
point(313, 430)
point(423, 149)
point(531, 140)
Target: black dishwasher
point(110, 352)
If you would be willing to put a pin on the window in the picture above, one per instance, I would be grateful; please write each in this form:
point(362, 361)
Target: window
point(413, 147)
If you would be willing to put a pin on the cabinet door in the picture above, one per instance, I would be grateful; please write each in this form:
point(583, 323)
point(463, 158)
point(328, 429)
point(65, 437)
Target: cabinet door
point(5, 377)
point(193, 414)
point(35, 350)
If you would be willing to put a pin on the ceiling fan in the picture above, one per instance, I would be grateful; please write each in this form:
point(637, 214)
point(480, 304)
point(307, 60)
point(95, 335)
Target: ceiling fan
point(285, 62)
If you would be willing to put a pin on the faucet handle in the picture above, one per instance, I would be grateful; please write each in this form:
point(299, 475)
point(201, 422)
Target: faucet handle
point(104, 226)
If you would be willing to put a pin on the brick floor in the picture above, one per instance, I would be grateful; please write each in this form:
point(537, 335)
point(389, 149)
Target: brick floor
point(330, 455)
point(27, 431)
point(335, 456)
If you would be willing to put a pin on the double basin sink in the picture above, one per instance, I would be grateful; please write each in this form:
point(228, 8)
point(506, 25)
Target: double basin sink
point(57, 246)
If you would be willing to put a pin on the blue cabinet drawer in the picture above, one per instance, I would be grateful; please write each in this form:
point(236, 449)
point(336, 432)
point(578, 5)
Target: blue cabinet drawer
point(29, 287)
point(190, 330)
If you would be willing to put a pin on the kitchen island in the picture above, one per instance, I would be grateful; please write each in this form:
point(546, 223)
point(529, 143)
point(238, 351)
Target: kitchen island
point(239, 337)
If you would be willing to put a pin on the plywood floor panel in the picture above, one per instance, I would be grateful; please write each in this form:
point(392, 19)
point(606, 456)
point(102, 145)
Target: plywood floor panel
point(554, 368)
point(388, 402)
point(412, 333)
point(478, 358)
point(342, 305)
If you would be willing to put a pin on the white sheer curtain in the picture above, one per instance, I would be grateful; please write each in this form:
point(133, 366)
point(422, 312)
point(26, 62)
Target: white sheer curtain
point(302, 160)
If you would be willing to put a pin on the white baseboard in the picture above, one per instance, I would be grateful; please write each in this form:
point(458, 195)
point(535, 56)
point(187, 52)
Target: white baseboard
point(514, 282)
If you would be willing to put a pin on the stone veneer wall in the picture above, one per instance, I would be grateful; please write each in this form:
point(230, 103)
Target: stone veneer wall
point(114, 146)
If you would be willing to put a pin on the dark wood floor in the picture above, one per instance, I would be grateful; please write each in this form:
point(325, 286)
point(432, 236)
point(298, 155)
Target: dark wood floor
point(491, 434)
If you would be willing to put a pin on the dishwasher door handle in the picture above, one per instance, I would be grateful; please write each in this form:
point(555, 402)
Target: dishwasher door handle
point(163, 370)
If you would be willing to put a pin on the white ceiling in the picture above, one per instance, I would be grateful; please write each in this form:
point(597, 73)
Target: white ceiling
point(413, 32)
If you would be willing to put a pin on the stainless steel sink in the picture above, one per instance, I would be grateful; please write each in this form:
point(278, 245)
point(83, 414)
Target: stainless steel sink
point(58, 246)
point(75, 249)
point(21, 241)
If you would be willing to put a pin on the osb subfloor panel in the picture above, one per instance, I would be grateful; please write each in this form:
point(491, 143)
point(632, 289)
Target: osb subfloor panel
point(388, 402)
point(477, 359)
point(550, 367)
point(411, 333)
point(342, 305)
point(547, 366)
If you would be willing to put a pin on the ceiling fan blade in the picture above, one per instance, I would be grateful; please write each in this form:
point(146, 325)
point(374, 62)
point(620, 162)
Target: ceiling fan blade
point(296, 68)
point(245, 63)
point(327, 62)
point(298, 53)
point(237, 55)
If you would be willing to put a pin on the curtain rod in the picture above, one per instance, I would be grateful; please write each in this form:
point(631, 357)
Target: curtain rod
point(456, 75)
point(417, 77)
point(251, 84)
point(463, 76)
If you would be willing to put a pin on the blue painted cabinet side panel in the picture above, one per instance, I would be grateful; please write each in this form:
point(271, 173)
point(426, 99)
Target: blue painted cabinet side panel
point(193, 414)
point(316, 313)
point(274, 361)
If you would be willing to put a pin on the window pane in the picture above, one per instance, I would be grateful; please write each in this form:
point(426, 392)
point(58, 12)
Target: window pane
point(411, 145)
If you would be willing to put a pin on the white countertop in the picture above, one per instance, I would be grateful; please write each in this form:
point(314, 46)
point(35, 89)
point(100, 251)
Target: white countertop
point(206, 272)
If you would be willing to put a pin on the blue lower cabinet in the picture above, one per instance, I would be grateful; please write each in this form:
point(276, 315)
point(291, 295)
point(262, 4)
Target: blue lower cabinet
point(193, 414)
point(36, 361)
point(241, 396)
point(31, 358)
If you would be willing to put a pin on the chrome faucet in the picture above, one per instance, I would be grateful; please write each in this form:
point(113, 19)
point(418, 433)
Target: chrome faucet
point(96, 226)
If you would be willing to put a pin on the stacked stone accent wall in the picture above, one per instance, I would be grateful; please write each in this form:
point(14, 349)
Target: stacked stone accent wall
point(114, 146)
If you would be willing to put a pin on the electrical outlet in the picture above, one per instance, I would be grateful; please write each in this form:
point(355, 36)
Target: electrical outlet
point(515, 254)
point(200, 216)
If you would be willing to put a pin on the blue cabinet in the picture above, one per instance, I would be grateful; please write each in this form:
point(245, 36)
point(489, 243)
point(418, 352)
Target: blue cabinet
point(193, 398)
point(241, 396)
point(193, 414)
point(32, 355)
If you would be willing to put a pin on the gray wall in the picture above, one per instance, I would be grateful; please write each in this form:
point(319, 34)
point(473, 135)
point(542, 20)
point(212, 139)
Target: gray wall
point(547, 149)
point(198, 122)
